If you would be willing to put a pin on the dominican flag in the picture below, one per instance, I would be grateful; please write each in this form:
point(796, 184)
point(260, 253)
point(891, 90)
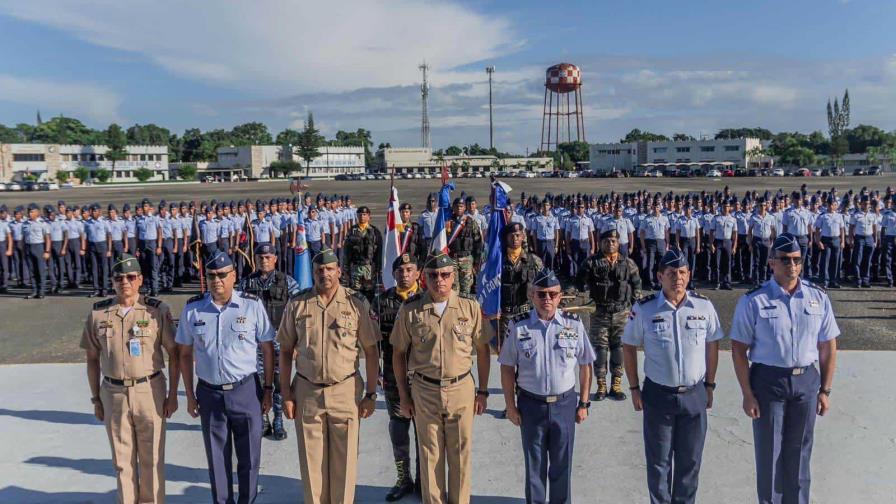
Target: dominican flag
point(392, 246)
point(302, 265)
point(489, 282)
point(439, 234)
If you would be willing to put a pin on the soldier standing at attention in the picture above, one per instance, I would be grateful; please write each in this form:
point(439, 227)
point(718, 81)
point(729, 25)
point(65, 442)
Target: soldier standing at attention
point(327, 327)
point(579, 238)
point(5, 249)
point(362, 256)
point(99, 247)
point(433, 341)
point(386, 305)
point(546, 231)
point(724, 243)
point(222, 330)
point(680, 333)
point(123, 338)
point(544, 352)
point(779, 331)
point(464, 246)
point(614, 284)
point(149, 246)
point(518, 269)
point(36, 236)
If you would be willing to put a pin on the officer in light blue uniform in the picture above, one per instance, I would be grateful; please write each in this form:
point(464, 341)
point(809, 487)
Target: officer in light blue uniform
point(831, 235)
point(99, 249)
point(36, 235)
point(579, 238)
point(654, 232)
point(427, 220)
point(888, 238)
point(167, 264)
point(221, 331)
point(209, 232)
point(130, 224)
point(680, 333)
point(545, 350)
point(546, 231)
point(6, 247)
point(149, 246)
point(778, 333)
point(863, 234)
point(724, 243)
point(798, 222)
point(687, 230)
point(56, 264)
point(762, 234)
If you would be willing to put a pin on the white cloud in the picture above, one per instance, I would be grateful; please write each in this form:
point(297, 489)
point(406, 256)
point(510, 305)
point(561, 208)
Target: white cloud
point(85, 101)
point(274, 47)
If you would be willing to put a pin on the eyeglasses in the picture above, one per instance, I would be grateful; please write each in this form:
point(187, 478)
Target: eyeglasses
point(788, 260)
point(130, 278)
point(435, 275)
point(217, 276)
point(547, 294)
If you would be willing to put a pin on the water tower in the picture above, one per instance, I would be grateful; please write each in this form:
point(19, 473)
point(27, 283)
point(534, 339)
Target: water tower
point(562, 106)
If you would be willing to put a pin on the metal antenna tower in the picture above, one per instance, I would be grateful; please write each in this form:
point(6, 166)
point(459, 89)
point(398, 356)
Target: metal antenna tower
point(424, 124)
point(491, 125)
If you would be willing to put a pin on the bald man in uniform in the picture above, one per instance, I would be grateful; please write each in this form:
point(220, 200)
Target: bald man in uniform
point(433, 340)
point(328, 326)
point(124, 337)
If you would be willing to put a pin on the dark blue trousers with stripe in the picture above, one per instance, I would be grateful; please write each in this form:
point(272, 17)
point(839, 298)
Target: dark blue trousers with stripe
point(548, 432)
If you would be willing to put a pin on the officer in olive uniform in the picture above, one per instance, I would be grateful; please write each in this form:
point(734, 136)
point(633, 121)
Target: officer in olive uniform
point(274, 289)
point(614, 283)
point(518, 269)
point(386, 305)
point(327, 327)
point(123, 338)
point(433, 341)
point(362, 251)
point(464, 246)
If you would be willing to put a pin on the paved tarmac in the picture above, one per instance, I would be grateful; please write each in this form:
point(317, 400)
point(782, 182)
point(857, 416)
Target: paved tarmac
point(54, 451)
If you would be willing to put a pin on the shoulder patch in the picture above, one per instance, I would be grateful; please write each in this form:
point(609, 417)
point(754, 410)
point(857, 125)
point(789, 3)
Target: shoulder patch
point(697, 295)
point(246, 295)
point(647, 298)
point(195, 298)
point(571, 316)
point(102, 305)
point(153, 302)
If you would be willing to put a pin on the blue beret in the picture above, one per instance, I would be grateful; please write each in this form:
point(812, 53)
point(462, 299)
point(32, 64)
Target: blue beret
point(546, 278)
point(146, 202)
point(60, 202)
point(265, 249)
point(674, 259)
point(20, 209)
point(219, 260)
point(258, 202)
point(787, 243)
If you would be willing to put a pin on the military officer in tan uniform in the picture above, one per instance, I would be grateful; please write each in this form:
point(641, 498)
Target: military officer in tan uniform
point(327, 327)
point(124, 337)
point(433, 340)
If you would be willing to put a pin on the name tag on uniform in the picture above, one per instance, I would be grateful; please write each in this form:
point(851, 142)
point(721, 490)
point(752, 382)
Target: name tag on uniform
point(135, 347)
point(137, 331)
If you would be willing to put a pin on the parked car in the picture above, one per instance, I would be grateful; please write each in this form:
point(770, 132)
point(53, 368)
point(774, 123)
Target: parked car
point(713, 173)
point(2, 187)
point(14, 186)
point(802, 172)
point(859, 171)
point(778, 172)
point(874, 170)
point(816, 172)
point(728, 173)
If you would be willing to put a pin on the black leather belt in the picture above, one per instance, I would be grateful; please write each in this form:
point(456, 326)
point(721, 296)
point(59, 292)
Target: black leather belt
point(547, 399)
point(442, 383)
point(300, 375)
point(131, 382)
point(796, 371)
point(673, 390)
point(226, 386)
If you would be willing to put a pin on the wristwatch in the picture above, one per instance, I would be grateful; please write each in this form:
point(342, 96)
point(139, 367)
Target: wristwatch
point(370, 395)
point(635, 387)
point(268, 387)
point(95, 400)
point(482, 393)
point(825, 391)
point(710, 385)
point(584, 404)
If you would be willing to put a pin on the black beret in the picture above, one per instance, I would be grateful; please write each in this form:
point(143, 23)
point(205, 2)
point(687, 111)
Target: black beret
point(405, 206)
point(402, 260)
point(513, 227)
point(363, 209)
point(609, 233)
point(265, 249)
point(146, 202)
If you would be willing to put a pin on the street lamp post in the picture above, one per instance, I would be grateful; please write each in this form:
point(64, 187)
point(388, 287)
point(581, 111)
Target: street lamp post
point(491, 127)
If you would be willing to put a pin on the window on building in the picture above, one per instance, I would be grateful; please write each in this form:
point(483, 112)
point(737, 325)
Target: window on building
point(682, 149)
point(732, 148)
point(659, 150)
point(27, 157)
point(707, 149)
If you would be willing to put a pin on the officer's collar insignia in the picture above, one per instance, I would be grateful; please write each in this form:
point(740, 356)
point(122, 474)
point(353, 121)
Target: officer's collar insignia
point(142, 323)
point(241, 320)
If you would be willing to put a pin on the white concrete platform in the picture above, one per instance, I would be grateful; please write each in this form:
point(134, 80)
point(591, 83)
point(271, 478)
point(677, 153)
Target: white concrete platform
point(52, 450)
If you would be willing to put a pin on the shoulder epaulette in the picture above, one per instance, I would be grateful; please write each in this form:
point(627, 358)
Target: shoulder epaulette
point(519, 317)
point(246, 295)
point(153, 302)
point(466, 295)
point(754, 289)
point(813, 285)
point(645, 299)
point(101, 305)
point(357, 295)
point(571, 315)
point(697, 295)
point(195, 298)
point(300, 293)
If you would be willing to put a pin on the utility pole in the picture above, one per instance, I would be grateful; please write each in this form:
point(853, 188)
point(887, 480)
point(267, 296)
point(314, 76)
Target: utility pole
point(490, 70)
point(424, 123)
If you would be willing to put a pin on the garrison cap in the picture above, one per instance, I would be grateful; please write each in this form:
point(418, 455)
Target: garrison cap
point(457, 201)
point(146, 202)
point(265, 249)
point(610, 233)
point(49, 209)
point(33, 206)
point(218, 260)
point(438, 261)
point(111, 207)
point(163, 203)
point(3, 208)
point(60, 202)
point(325, 256)
point(126, 264)
point(402, 260)
point(674, 259)
point(545, 279)
point(786, 242)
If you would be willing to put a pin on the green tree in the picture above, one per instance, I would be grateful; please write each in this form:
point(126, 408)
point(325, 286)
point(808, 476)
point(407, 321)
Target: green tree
point(62, 176)
point(863, 137)
point(148, 134)
point(187, 172)
point(453, 151)
point(251, 133)
point(637, 135)
point(732, 133)
point(309, 142)
point(102, 175)
point(191, 143)
point(682, 137)
point(81, 173)
point(116, 141)
point(143, 174)
point(10, 135)
point(284, 167)
point(288, 137)
point(576, 151)
point(65, 130)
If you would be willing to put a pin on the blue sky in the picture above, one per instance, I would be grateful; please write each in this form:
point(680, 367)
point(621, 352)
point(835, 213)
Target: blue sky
point(666, 66)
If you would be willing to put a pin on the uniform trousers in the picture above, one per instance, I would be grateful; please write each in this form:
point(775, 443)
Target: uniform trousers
point(829, 270)
point(179, 265)
point(624, 250)
point(605, 334)
point(56, 265)
point(674, 433)
point(132, 245)
point(580, 251)
point(327, 430)
point(73, 261)
point(99, 264)
point(688, 246)
point(784, 432)
point(20, 262)
point(547, 253)
point(231, 420)
point(806, 253)
point(117, 251)
point(37, 267)
point(4, 265)
point(444, 419)
point(761, 247)
point(889, 257)
point(863, 247)
point(135, 423)
point(399, 426)
point(548, 433)
point(149, 263)
point(166, 263)
point(744, 262)
point(723, 261)
point(653, 252)
point(705, 261)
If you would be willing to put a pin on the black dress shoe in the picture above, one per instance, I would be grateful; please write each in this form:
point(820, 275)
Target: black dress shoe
point(266, 428)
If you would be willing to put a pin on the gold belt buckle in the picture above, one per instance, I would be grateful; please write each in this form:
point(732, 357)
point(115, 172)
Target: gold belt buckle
point(129, 382)
point(550, 399)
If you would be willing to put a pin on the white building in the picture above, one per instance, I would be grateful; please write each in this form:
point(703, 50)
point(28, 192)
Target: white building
point(45, 160)
point(255, 161)
point(694, 155)
point(414, 160)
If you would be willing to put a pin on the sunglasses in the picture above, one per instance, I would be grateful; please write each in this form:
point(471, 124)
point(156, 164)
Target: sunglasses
point(130, 278)
point(444, 275)
point(787, 260)
point(546, 294)
point(217, 276)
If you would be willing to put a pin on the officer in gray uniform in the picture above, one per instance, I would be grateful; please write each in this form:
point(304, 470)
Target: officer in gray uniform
point(546, 349)
point(680, 333)
point(779, 331)
point(36, 235)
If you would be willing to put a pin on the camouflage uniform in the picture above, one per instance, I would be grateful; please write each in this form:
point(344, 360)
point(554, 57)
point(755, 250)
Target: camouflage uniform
point(466, 250)
point(515, 278)
point(361, 256)
point(613, 288)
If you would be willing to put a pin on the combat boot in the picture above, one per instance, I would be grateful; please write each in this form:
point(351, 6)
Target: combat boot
point(404, 485)
point(601, 393)
point(616, 392)
point(279, 431)
point(266, 428)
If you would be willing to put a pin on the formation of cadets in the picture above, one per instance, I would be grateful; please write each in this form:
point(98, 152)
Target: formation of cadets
point(255, 343)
